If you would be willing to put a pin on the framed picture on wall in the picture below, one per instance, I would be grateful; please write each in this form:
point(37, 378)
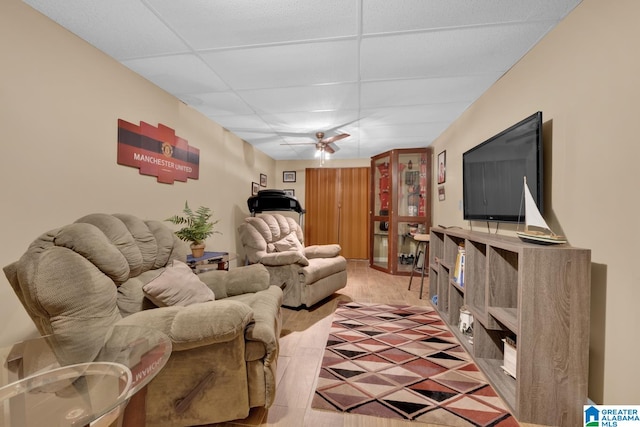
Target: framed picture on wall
point(290, 192)
point(255, 187)
point(289, 176)
point(263, 180)
point(442, 167)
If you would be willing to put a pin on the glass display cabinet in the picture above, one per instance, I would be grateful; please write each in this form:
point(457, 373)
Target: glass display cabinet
point(400, 207)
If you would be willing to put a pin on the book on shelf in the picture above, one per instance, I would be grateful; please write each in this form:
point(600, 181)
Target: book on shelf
point(458, 274)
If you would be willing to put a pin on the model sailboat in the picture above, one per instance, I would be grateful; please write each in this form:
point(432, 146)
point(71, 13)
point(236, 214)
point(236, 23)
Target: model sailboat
point(536, 229)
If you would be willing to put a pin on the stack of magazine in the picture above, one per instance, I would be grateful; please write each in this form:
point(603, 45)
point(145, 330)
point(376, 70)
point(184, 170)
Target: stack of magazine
point(458, 273)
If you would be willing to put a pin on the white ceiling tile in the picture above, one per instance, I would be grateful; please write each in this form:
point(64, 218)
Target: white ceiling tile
point(392, 74)
point(218, 104)
point(286, 65)
point(464, 89)
point(210, 24)
point(245, 123)
point(410, 131)
point(383, 16)
point(303, 98)
point(123, 29)
point(308, 123)
point(474, 50)
point(178, 74)
point(444, 113)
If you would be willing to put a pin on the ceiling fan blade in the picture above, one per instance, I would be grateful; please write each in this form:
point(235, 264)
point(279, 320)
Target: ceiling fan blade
point(342, 125)
point(335, 138)
point(329, 149)
point(297, 143)
point(293, 134)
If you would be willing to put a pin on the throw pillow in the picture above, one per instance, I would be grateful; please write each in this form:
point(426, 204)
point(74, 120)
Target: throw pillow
point(177, 285)
point(289, 243)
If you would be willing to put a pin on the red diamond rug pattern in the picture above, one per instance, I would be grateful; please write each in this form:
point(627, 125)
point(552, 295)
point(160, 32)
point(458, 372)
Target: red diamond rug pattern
point(397, 361)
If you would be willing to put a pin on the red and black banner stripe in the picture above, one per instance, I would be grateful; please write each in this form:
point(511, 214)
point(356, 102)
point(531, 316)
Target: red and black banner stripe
point(157, 151)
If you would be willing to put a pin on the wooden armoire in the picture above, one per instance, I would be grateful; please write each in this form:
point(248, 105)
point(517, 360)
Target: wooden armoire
point(337, 209)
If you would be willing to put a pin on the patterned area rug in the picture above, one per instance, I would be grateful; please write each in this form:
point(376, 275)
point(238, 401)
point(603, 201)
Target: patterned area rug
point(397, 361)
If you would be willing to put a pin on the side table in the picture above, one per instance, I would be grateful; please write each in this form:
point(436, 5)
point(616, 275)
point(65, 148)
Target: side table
point(73, 395)
point(210, 261)
point(143, 351)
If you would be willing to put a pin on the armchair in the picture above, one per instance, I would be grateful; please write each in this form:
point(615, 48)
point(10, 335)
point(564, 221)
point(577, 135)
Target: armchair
point(306, 274)
point(79, 281)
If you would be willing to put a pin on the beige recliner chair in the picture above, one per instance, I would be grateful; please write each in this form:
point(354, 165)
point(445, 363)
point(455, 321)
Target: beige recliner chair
point(306, 274)
point(80, 280)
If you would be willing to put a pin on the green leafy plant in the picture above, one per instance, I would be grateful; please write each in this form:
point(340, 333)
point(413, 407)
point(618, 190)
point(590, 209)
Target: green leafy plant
point(197, 224)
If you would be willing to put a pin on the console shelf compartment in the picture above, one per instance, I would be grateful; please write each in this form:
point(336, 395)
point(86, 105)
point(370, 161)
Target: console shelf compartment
point(535, 295)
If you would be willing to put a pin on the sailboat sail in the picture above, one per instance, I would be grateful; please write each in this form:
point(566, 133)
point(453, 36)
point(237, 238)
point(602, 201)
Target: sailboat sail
point(533, 218)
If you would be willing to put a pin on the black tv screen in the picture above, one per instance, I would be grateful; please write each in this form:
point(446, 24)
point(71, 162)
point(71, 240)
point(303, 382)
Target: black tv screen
point(492, 173)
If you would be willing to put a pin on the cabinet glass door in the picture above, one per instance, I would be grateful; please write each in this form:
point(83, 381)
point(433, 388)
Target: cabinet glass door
point(381, 206)
point(412, 184)
point(411, 204)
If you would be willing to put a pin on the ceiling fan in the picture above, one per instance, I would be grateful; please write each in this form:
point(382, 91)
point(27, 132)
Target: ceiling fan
point(323, 145)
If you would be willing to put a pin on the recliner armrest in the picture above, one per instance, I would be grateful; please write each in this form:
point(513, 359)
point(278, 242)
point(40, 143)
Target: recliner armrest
point(196, 325)
point(322, 251)
point(284, 258)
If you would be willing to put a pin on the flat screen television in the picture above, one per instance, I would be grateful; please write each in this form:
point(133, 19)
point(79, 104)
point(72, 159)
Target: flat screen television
point(493, 171)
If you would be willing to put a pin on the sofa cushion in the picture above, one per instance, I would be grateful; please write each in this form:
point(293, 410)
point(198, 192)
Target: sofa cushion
point(288, 243)
point(177, 285)
point(319, 268)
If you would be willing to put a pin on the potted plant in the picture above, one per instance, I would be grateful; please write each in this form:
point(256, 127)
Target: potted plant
point(197, 227)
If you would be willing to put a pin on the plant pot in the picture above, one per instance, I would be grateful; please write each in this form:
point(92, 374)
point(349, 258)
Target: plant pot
point(197, 250)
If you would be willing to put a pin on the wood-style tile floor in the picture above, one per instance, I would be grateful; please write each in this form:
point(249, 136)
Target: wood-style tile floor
point(302, 343)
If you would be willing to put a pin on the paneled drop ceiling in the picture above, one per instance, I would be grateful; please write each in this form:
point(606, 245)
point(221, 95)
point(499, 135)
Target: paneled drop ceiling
point(391, 73)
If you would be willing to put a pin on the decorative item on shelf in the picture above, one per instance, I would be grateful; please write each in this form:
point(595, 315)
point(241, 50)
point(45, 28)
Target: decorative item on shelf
point(510, 357)
point(384, 225)
point(458, 275)
point(197, 227)
point(465, 323)
point(533, 218)
point(384, 182)
point(412, 178)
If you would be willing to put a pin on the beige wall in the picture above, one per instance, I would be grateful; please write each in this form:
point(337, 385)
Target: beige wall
point(60, 100)
point(584, 76)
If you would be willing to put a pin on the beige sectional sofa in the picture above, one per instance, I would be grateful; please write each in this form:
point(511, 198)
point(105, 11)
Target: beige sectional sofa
point(80, 280)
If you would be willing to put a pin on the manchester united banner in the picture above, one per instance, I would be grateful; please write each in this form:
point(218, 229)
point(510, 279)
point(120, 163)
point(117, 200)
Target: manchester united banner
point(157, 151)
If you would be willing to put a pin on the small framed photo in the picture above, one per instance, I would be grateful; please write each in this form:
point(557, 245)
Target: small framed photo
point(441, 193)
point(442, 167)
point(263, 180)
point(290, 192)
point(255, 187)
point(289, 176)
